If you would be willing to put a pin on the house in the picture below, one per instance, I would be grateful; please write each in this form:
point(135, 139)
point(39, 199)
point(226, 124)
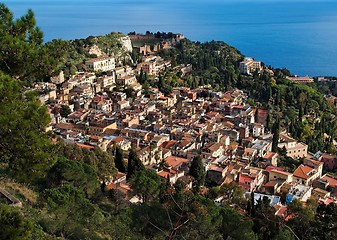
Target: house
point(101, 64)
point(251, 178)
point(327, 182)
point(278, 174)
point(225, 140)
point(213, 150)
point(102, 103)
point(258, 129)
point(98, 128)
point(126, 189)
point(318, 193)
point(105, 81)
point(271, 158)
point(262, 147)
point(272, 187)
point(120, 178)
point(294, 149)
point(121, 142)
point(300, 192)
point(95, 140)
point(60, 127)
point(215, 174)
point(305, 175)
point(126, 80)
point(58, 79)
point(249, 65)
point(85, 146)
point(145, 156)
point(120, 105)
point(314, 164)
point(176, 162)
point(77, 116)
point(160, 139)
point(171, 173)
point(249, 154)
point(82, 90)
point(244, 132)
point(274, 200)
point(122, 71)
point(329, 160)
point(149, 68)
point(301, 80)
point(127, 122)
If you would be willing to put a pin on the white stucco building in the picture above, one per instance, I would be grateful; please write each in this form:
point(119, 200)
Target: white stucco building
point(101, 64)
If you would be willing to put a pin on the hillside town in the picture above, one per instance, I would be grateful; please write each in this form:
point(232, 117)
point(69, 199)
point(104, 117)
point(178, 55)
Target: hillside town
point(168, 131)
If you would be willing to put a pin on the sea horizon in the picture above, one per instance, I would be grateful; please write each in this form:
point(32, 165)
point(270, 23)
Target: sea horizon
point(297, 35)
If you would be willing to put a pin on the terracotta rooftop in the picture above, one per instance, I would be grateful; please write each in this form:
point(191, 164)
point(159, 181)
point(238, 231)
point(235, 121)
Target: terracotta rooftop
point(303, 172)
point(281, 212)
point(125, 188)
point(281, 172)
point(215, 168)
point(120, 175)
point(269, 168)
point(85, 146)
point(269, 155)
point(173, 161)
point(214, 147)
point(168, 144)
point(332, 181)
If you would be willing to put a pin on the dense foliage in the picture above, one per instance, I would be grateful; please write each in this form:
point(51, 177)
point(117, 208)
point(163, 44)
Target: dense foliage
point(24, 144)
point(23, 54)
point(214, 63)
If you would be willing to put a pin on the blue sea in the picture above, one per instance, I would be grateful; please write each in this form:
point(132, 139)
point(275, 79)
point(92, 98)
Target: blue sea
point(299, 35)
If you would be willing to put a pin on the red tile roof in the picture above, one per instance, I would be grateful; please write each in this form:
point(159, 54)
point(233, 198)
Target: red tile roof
point(332, 181)
point(269, 168)
point(85, 146)
point(173, 161)
point(303, 172)
point(269, 155)
point(118, 139)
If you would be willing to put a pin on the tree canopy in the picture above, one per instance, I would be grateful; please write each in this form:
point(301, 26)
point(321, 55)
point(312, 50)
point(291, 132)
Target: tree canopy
point(24, 145)
point(23, 55)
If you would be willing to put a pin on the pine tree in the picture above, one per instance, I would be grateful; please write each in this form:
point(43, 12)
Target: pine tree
point(22, 52)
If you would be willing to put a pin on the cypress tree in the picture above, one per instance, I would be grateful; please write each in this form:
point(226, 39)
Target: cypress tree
point(268, 121)
point(256, 115)
point(276, 136)
point(119, 160)
point(197, 170)
point(134, 164)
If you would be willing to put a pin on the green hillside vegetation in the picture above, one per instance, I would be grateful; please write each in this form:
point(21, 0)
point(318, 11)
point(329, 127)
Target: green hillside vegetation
point(75, 52)
point(214, 63)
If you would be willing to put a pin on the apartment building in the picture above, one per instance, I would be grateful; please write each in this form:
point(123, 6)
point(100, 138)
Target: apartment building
point(249, 65)
point(101, 64)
